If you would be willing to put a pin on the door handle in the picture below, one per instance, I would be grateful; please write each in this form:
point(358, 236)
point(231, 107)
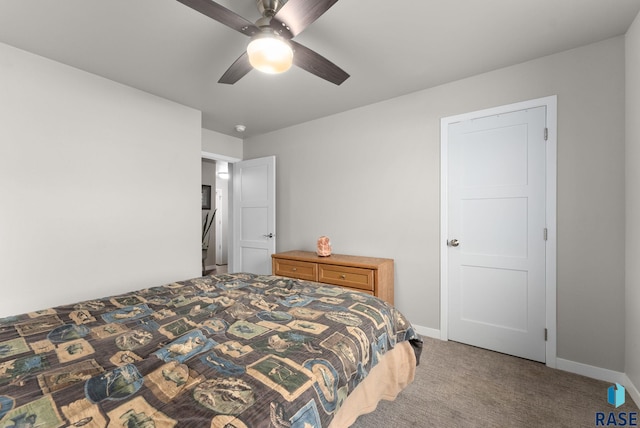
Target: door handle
point(268, 236)
point(453, 243)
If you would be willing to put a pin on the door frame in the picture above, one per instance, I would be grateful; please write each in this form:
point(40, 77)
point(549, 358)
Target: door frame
point(550, 103)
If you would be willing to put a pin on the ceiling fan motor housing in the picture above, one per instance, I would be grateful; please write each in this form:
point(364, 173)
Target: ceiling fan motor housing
point(268, 8)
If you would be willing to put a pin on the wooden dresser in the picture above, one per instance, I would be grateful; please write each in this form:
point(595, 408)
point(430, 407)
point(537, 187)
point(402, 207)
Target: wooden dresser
point(367, 274)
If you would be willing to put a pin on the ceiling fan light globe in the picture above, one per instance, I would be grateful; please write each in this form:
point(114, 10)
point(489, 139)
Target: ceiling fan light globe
point(271, 55)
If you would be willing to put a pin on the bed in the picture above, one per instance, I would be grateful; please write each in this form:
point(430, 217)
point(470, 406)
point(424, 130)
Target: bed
point(233, 350)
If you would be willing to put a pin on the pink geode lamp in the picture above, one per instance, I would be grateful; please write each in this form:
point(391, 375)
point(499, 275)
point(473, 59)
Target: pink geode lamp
point(324, 246)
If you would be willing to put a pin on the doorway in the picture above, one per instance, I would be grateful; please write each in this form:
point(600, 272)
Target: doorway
point(498, 229)
point(215, 173)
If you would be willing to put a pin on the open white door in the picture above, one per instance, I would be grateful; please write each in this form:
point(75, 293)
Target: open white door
point(254, 215)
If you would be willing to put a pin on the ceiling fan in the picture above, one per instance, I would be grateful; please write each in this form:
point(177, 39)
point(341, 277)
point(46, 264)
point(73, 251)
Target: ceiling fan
point(281, 21)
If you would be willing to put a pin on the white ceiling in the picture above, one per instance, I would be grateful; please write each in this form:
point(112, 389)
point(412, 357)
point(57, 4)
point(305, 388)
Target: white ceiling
point(390, 48)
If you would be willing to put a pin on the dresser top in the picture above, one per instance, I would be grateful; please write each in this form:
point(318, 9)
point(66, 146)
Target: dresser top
point(334, 259)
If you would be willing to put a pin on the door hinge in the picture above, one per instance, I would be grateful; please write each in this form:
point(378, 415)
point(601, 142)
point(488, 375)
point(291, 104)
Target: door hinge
point(546, 134)
point(545, 233)
point(546, 334)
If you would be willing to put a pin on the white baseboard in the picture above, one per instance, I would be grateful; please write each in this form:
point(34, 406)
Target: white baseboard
point(427, 331)
point(568, 366)
point(600, 374)
point(632, 390)
point(591, 371)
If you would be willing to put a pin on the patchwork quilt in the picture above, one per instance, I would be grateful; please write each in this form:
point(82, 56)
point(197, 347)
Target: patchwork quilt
point(236, 350)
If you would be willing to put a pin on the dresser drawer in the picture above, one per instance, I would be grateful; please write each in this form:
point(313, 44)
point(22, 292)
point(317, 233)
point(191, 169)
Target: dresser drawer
point(359, 278)
point(369, 292)
point(371, 275)
point(295, 269)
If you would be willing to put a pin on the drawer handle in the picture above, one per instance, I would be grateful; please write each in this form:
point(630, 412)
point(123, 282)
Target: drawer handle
point(294, 269)
point(343, 276)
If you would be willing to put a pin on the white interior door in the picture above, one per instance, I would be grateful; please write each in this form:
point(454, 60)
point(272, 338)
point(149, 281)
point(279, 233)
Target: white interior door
point(496, 232)
point(254, 215)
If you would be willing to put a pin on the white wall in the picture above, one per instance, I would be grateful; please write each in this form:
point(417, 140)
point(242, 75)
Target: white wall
point(369, 179)
point(221, 144)
point(632, 157)
point(99, 186)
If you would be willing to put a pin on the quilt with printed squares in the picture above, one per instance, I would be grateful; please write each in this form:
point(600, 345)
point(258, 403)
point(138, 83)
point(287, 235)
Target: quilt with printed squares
point(234, 350)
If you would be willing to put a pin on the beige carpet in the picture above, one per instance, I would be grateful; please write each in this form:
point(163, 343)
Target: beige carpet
point(458, 385)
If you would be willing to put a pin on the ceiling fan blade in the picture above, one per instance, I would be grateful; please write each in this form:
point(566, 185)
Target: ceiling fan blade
point(316, 64)
point(296, 15)
point(223, 15)
point(237, 71)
